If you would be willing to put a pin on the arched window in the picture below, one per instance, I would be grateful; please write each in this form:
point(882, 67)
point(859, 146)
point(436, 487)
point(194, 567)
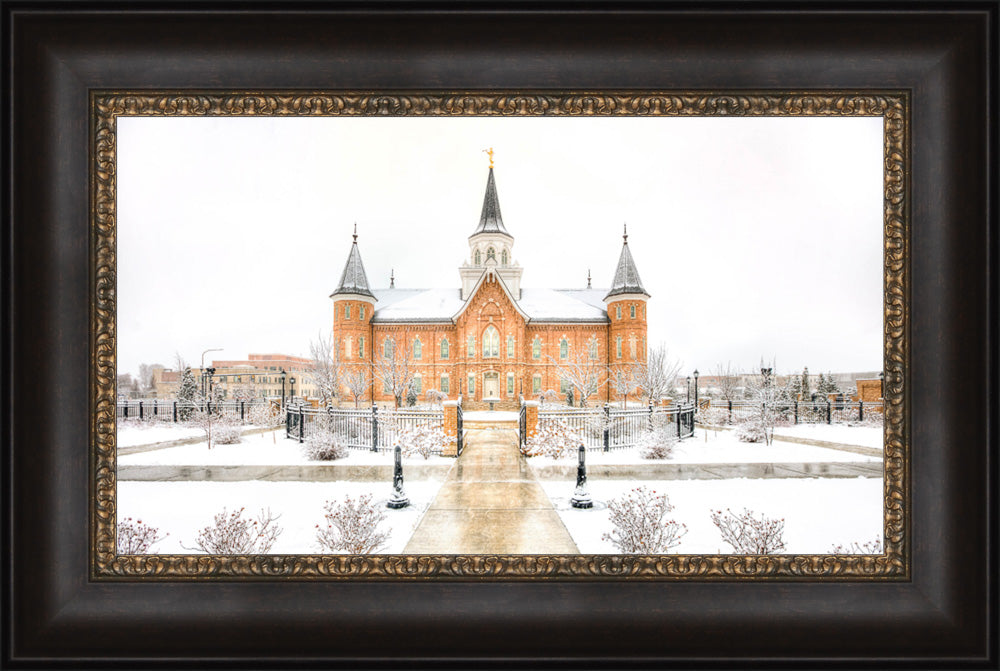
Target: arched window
point(536, 384)
point(491, 254)
point(631, 346)
point(491, 342)
point(361, 347)
point(479, 258)
point(347, 311)
point(593, 347)
point(444, 348)
point(418, 348)
point(510, 347)
point(618, 346)
point(361, 312)
point(388, 347)
point(536, 348)
point(470, 350)
point(417, 384)
point(632, 310)
point(618, 312)
point(504, 259)
point(563, 348)
point(347, 347)
point(445, 384)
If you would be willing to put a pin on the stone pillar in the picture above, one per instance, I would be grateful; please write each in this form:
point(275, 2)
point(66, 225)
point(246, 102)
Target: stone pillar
point(530, 418)
point(450, 448)
point(666, 401)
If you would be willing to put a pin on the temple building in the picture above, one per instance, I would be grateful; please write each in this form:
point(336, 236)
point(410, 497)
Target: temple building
point(489, 338)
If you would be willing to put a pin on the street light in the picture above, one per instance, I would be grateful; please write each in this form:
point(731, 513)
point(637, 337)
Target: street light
point(291, 388)
point(688, 385)
point(881, 384)
point(202, 367)
point(282, 388)
point(695, 387)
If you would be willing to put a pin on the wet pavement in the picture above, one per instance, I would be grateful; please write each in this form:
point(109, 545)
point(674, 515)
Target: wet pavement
point(491, 504)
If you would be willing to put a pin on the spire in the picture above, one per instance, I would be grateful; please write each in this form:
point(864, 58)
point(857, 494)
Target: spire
point(354, 280)
point(490, 220)
point(392, 278)
point(626, 276)
point(588, 278)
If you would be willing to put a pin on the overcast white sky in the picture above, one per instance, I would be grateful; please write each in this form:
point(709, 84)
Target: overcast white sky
point(757, 237)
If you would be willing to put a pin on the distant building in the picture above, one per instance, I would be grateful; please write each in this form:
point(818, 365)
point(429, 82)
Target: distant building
point(258, 376)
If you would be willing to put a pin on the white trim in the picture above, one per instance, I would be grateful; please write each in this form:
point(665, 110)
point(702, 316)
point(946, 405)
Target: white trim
point(482, 278)
point(353, 297)
point(626, 297)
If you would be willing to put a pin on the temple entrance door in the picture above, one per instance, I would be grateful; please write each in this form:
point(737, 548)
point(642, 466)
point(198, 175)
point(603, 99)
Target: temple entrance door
point(491, 385)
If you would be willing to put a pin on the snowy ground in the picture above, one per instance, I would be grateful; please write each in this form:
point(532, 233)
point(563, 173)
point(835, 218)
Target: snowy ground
point(182, 509)
point(270, 449)
point(864, 436)
point(818, 513)
point(147, 433)
point(715, 447)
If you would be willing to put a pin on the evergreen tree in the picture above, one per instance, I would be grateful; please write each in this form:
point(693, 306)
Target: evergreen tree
point(187, 395)
point(804, 386)
point(411, 396)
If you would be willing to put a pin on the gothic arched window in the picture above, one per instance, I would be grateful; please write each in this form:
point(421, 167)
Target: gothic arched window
point(361, 347)
point(388, 347)
point(491, 342)
point(563, 348)
point(504, 259)
point(491, 254)
point(444, 348)
point(479, 258)
point(593, 347)
point(618, 346)
point(536, 348)
point(347, 347)
point(418, 348)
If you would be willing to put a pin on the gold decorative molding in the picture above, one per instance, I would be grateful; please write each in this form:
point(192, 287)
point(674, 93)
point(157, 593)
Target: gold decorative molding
point(893, 107)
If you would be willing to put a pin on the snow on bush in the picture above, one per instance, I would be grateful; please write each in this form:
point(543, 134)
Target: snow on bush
point(435, 397)
point(323, 444)
point(230, 534)
point(657, 444)
point(552, 439)
point(352, 526)
point(747, 534)
point(640, 524)
point(873, 547)
point(421, 439)
point(228, 431)
point(713, 416)
point(136, 537)
point(265, 414)
point(752, 431)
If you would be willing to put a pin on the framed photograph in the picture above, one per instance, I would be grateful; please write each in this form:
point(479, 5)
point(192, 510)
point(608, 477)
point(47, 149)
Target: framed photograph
point(399, 344)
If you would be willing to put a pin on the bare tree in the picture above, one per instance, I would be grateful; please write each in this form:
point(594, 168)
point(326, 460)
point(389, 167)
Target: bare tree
point(767, 397)
point(657, 374)
point(624, 382)
point(325, 369)
point(727, 381)
point(393, 370)
point(585, 374)
point(357, 379)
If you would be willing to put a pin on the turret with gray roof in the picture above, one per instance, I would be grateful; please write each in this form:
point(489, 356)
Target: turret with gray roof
point(354, 279)
point(626, 279)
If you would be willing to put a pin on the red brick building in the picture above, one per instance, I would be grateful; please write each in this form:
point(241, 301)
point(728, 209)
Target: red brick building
point(491, 338)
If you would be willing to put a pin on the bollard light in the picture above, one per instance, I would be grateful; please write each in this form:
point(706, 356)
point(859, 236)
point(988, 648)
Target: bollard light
point(399, 498)
point(581, 497)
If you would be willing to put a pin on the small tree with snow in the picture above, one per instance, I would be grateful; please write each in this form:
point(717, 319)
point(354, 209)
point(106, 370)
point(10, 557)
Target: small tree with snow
point(231, 534)
point(583, 374)
point(322, 441)
point(658, 443)
point(624, 383)
point(435, 397)
point(748, 534)
point(352, 526)
point(657, 374)
point(551, 439)
point(411, 396)
point(358, 381)
point(873, 547)
point(420, 440)
point(394, 371)
point(187, 395)
point(767, 398)
point(640, 525)
point(137, 538)
point(727, 381)
point(324, 369)
point(549, 395)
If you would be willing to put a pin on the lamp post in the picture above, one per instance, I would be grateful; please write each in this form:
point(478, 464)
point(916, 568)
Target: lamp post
point(881, 384)
point(696, 388)
point(283, 388)
point(687, 383)
point(202, 366)
point(209, 372)
point(291, 388)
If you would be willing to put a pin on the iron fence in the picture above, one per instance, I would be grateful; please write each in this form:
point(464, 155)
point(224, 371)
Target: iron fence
point(172, 410)
point(818, 411)
point(609, 428)
point(360, 429)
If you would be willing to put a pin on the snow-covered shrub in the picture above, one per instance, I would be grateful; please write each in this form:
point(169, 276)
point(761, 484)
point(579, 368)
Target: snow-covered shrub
point(552, 439)
point(657, 444)
point(323, 444)
point(751, 431)
point(352, 526)
point(265, 414)
point(228, 431)
point(435, 397)
point(640, 524)
point(136, 538)
point(713, 416)
point(421, 440)
point(230, 534)
point(549, 395)
point(747, 534)
point(873, 547)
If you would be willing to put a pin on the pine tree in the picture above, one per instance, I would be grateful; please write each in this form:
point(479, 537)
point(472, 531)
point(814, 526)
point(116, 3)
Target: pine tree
point(804, 387)
point(187, 395)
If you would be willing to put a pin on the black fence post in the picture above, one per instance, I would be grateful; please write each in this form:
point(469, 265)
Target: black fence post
point(155, 409)
point(242, 411)
point(288, 422)
point(125, 409)
point(679, 422)
point(302, 424)
point(374, 428)
point(175, 412)
point(730, 412)
point(650, 415)
point(140, 410)
point(827, 411)
point(861, 410)
point(607, 427)
point(796, 412)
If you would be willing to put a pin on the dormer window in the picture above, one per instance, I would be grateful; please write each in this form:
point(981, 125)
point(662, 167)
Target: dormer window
point(491, 254)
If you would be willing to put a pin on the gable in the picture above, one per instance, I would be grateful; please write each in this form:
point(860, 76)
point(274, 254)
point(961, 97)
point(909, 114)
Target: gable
point(491, 294)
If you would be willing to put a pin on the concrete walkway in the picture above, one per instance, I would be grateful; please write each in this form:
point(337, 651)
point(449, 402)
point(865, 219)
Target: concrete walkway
point(491, 504)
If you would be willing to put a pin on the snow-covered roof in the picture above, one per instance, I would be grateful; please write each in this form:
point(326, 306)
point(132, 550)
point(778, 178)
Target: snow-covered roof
point(626, 279)
point(543, 305)
point(353, 280)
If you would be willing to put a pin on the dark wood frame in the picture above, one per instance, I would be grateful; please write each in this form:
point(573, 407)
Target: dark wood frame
point(945, 615)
